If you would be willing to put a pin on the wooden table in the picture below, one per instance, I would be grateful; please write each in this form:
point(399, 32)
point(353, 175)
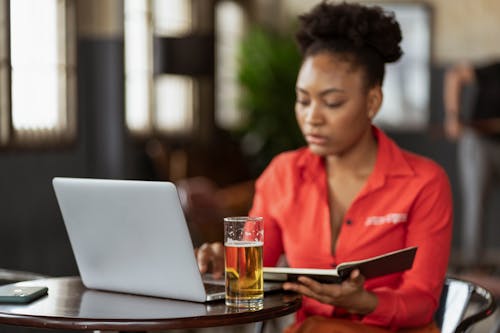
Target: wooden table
point(69, 305)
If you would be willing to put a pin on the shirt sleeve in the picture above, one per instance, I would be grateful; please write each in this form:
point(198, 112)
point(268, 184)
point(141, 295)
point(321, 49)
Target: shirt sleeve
point(266, 193)
point(416, 299)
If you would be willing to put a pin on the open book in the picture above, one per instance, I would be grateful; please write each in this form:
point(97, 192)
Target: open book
point(388, 263)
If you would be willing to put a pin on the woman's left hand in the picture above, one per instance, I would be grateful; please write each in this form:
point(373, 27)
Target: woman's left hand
point(350, 294)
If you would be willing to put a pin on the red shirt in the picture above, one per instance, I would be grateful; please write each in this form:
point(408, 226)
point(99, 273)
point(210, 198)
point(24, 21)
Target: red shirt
point(406, 201)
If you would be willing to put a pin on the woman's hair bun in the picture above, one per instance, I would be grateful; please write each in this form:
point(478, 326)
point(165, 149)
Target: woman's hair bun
point(354, 24)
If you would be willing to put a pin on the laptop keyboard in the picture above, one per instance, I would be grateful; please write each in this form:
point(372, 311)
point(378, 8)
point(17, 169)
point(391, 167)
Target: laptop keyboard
point(212, 288)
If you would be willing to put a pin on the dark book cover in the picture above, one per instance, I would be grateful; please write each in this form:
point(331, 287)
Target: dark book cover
point(388, 263)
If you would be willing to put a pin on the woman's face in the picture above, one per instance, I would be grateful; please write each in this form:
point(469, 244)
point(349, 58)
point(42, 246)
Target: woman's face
point(333, 107)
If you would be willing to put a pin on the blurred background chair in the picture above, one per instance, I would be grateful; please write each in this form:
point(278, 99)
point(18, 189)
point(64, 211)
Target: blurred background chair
point(205, 204)
point(212, 185)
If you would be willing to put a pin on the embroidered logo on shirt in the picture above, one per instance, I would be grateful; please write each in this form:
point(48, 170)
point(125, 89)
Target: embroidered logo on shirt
point(393, 218)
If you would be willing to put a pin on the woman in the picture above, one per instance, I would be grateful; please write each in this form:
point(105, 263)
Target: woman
point(352, 193)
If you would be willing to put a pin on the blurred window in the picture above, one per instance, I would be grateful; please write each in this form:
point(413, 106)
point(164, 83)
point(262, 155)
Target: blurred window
point(406, 87)
point(37, 72)
point(138, 66)
point(156, 103)
point(230, 27)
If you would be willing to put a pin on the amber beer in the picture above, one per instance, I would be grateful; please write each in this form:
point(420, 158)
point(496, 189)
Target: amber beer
point(243, 243)
point(244, 283)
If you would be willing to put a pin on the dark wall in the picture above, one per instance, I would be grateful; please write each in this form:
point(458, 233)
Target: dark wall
point(32, 234)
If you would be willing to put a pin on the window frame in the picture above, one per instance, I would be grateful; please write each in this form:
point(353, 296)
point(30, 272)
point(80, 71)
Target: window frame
point(5, 123)
point(60, 136)
point(158, 38)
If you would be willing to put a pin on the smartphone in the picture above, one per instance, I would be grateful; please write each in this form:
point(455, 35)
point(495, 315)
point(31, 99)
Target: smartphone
point(21, 294)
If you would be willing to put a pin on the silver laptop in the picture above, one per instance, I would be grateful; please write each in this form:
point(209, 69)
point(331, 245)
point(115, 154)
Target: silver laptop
point(131, 236)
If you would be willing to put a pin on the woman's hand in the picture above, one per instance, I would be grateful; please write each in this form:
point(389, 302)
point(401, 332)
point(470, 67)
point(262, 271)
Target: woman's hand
point(210, 257)
point(349, 295)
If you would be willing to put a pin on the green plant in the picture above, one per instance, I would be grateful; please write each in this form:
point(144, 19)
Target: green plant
point(268, 67)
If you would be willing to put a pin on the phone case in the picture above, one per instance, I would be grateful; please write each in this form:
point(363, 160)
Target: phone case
point(21, 294)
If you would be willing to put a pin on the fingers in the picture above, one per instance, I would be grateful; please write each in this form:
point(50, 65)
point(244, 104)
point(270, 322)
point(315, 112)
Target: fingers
point(218, 260)
point(305, 286)
point(356, 279)
point(204, 256)
point(210, 257)
point(324, 293)
point(334, 294)
point(313, 286)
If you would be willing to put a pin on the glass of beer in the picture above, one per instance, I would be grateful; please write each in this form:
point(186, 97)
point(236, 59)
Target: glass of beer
point(243, 242)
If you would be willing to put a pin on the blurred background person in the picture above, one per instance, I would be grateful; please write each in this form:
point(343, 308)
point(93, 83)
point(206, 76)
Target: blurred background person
point(472, 119)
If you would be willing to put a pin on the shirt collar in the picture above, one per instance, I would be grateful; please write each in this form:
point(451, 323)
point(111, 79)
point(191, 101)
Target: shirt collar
point(390, 158)
point(311, 166)
point(390, 162)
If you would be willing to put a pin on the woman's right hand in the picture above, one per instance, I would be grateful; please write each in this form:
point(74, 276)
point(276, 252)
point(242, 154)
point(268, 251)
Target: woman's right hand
point(210, 258)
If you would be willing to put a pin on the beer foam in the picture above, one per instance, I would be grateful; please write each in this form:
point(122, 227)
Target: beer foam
point(243, 243)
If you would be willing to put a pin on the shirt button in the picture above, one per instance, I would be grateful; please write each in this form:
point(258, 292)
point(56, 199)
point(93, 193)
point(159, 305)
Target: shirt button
point(348, 222)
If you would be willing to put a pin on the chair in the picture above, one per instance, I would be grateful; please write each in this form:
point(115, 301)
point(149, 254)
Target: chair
point(456, 297)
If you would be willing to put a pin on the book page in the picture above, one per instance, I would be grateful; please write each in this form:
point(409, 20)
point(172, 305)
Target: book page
point(283, 274)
